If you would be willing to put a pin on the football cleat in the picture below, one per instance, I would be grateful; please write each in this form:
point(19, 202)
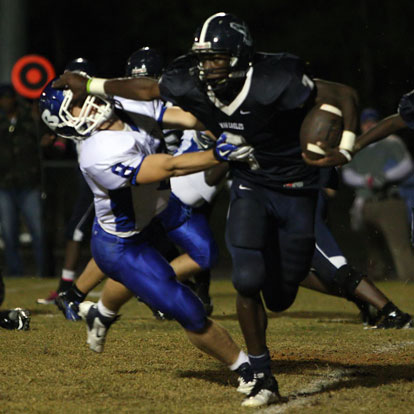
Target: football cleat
point(246, 379)
point(264, 392)
point(50, 300)
point(396, 320)
point(97, 326)
point(69, 308)
point(15, 319)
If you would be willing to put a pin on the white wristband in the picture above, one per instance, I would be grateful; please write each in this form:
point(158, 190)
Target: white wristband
point(95, 86)
point(346, 154)
point(347, 140)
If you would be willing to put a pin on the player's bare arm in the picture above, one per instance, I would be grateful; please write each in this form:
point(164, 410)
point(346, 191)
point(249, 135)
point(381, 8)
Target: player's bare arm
point(176, 118)
point(158, 167)
point(342, 96)
point(384, 128)
point(141, 89)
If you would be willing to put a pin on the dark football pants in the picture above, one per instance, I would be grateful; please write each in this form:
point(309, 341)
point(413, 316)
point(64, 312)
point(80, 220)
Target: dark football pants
point(270, 236)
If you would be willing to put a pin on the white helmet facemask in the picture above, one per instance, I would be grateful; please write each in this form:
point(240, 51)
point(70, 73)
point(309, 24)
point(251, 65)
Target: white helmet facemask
point(94, 112)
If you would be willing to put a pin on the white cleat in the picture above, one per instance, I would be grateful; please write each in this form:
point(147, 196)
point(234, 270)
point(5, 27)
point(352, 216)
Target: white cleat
point(264, 392)
point(96, 325)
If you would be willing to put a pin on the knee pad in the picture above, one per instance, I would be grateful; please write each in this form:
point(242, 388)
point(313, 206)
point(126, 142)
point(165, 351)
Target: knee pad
point(347, 280)
point(246, 224)
point(296, 257)
point(282, 298)
point(249, 272)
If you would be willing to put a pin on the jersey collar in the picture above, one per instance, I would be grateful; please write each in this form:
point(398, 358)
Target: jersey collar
point(238, 100)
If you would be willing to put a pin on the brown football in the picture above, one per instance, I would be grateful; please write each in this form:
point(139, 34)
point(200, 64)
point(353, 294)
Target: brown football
point(322, 123)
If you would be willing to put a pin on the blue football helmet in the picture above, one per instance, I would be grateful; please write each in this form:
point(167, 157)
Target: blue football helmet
point(145, 62)
point(56, 112)
point(223, 34)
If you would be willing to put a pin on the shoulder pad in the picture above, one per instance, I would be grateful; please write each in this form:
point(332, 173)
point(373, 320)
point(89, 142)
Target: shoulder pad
point(273, 72)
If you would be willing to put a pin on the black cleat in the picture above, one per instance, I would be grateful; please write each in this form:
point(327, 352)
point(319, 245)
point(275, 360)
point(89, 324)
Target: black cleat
point(70, 309)
point(395, 320)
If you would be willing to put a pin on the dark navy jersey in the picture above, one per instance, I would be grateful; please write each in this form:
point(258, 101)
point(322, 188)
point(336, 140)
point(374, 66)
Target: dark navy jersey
point(406, 109)
point(329, 178)
point(267, 112)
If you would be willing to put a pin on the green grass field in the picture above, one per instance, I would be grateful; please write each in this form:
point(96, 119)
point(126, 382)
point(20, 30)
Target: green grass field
point(324, 360)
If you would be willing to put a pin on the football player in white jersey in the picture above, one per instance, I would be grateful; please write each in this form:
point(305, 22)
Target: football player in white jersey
point(129, 180)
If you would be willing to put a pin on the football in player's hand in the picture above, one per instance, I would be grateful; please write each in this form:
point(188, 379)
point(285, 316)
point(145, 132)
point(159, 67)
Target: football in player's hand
point(323, 123)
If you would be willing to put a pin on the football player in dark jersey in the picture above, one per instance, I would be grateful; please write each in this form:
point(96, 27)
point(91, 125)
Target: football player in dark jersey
point(263, 97)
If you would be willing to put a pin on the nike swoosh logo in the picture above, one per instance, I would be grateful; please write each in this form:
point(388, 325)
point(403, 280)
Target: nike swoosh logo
point(244, 112)
point(242, 187)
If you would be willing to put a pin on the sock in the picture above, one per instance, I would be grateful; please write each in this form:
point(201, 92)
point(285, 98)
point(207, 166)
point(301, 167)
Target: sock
point(261, 363)
point(241, 359)
point(389, 308)
point(75, 295)
point(104, 311)
point(68, 275)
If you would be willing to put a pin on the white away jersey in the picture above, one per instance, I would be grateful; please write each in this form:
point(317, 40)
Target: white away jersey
point(110, 162)
point(192, 189)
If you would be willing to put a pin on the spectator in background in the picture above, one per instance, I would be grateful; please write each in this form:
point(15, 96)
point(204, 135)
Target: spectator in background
point(20, 180)
point(382, 175)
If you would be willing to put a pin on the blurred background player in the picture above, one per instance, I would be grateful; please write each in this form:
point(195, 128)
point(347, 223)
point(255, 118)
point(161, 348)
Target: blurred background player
point(80, 222)
point(382, 175)
point(332, 274)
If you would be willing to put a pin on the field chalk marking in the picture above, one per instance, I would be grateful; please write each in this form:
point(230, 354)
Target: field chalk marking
point(305, 396)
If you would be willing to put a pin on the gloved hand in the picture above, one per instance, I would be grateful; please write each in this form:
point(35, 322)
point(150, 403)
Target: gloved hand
point(231, 147)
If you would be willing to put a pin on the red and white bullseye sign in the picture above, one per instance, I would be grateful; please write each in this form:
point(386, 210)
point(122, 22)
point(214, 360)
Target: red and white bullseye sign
point(30, 74)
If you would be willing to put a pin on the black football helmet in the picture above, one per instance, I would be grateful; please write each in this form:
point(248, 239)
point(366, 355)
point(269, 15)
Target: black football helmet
point(223, 34)
point(145, 62)
point(82, 66)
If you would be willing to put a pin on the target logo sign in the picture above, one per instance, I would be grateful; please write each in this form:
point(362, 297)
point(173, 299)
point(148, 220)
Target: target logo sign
point(30, 74)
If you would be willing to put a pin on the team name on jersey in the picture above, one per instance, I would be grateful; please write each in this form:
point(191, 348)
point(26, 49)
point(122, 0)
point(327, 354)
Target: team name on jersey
point(232, 125)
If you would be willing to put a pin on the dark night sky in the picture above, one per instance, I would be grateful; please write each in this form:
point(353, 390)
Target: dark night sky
point(364, 43)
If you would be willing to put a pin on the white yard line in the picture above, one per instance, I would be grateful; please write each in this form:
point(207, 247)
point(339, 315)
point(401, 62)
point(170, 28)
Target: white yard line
point(309, 394)
point(389, 348)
